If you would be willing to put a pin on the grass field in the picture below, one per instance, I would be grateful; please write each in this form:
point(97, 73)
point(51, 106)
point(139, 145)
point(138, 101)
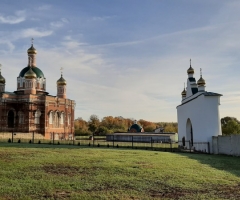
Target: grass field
point(31, 171)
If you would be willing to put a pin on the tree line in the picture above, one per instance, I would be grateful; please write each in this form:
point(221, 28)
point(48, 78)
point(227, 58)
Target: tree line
point(110, 124)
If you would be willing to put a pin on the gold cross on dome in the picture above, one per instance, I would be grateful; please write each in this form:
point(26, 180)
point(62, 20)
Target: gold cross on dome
point(61, 69)
point(32, 40)
point(0, 67)
point(201, 71)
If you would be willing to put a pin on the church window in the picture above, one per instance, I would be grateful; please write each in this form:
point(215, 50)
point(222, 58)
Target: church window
point(62, 118)
point(21, 117)
point(56, 119)
point(10, 119)
point(37, 117)
point(69, 119)
point(51, 117)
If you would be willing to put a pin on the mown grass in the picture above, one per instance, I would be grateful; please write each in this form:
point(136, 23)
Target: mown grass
point(32, 171)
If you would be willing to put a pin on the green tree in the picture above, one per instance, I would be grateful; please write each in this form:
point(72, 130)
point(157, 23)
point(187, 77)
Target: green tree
point(93, 123)
point(230, 125)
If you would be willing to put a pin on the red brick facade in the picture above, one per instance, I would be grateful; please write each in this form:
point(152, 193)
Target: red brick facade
point(32, 109)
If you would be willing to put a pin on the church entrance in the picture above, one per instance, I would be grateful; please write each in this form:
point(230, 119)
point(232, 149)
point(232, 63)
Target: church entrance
point(189, 129)
point(10, 119)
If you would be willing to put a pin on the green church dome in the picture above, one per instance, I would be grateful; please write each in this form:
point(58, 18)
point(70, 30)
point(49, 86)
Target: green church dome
point(36, 70)
point(135, 128)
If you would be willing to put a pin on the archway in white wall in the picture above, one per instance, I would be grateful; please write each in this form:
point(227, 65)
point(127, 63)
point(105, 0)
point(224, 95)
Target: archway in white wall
point(189, 133)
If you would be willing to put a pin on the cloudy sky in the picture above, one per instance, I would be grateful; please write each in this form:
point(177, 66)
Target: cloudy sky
point(126, 58)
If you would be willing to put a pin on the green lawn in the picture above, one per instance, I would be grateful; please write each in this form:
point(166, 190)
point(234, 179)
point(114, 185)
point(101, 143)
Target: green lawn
point(33, 171)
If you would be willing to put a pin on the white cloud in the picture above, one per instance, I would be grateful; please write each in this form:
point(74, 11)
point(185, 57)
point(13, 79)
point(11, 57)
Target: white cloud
point(33, 32)
point(44, 7)
point(18, 18)
point(60, 23)
point(97, 18)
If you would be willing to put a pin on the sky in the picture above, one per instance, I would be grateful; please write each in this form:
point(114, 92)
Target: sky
point(126, 58)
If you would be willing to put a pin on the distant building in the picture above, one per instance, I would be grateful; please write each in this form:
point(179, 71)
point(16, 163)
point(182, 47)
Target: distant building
point(198, 114)
point(30, 108)
point(135, 128)
point(159, 130)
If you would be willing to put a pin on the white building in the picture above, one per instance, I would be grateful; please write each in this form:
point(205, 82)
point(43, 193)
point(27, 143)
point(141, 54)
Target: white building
point(198, 115)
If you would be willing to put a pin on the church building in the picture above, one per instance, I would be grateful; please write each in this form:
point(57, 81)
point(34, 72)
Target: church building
point(198, 114)
point(31, 109)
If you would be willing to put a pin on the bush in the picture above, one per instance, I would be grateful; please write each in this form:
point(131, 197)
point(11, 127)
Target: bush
point(39, 142)
point(58, 143)
point(19, 141)
point(79, 144)
point(30, 141)
point(9, 140)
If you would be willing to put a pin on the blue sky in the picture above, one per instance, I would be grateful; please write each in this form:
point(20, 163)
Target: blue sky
point(126, 58)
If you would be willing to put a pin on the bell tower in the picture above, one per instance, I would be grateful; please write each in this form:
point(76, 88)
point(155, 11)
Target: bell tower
point(32, 56)
point(61, 87)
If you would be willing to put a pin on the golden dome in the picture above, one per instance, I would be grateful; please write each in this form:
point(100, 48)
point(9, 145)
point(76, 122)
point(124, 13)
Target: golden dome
point(190, 70)
point(184, 92)
point(2, 79)
point(201, 82)
point(30, 74)
point(61, 81)
point(32, 50)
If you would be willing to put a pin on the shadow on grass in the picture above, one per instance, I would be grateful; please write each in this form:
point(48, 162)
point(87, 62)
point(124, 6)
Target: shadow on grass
point(221, 162)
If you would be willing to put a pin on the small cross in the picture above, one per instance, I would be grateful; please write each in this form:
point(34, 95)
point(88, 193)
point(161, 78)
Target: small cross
point(184, 85)
point(61, 69)
point(201, 71)
point(32, 40)
point(0, 67)
point(190, 61)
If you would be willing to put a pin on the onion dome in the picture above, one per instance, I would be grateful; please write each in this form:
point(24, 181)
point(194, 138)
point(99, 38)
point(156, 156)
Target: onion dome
point(201, 81)
point(2, 79)
point(190, 70)
point(36, 70)
point(135, 128)
point(184, 93)
point(30, 74)
point(32, 50)
point(61, 81)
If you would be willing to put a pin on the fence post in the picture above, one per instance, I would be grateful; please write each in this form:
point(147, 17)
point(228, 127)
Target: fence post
point(12, 136)
point(113, 140)
point(208, 147)
point(132, 141)
point(151, 143)
point(33, 137)
point(171, 145)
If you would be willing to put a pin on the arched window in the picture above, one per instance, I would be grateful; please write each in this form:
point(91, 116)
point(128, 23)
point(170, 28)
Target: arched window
point(56, 119)
point(20, 117)
point(10, 119)
point(51, 117)
point(62, 118)
point(69, 119)
point(37, 117)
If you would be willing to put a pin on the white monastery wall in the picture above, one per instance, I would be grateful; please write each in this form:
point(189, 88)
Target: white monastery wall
point(228, 145)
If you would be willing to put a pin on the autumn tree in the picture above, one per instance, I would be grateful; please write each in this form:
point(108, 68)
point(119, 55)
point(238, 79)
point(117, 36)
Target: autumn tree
point(81, 127)
point(93, 123)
